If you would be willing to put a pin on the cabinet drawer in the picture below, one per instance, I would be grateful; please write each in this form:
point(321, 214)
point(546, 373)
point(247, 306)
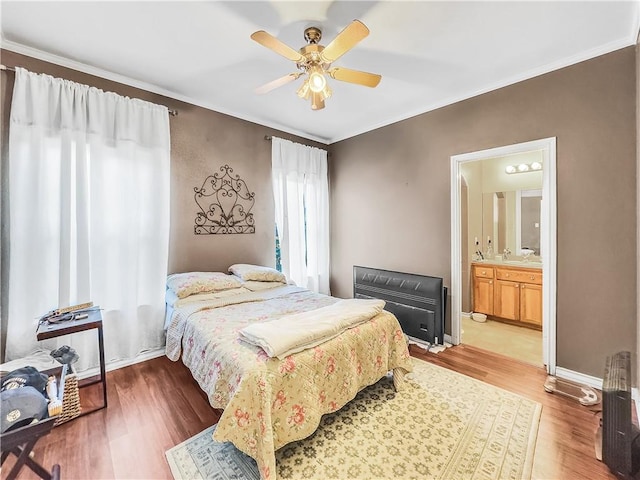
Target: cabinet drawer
point(519, 276)
point(482, 272)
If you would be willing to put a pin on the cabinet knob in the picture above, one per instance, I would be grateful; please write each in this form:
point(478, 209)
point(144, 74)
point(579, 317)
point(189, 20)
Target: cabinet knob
point(523, 286)
point(490, 282)
point(506, 275)
point(532, 277)
point(518, 285)
point(483, 272)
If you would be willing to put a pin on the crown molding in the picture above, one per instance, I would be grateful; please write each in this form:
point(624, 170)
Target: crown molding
point(550, 67)
point(631, 39)
point(132, 82)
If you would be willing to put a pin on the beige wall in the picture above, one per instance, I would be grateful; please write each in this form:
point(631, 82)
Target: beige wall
point(472, 173)
point(390, 189)
point(201, 142)
point(390, 197)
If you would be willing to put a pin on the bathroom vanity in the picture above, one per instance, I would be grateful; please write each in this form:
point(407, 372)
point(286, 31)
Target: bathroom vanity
point(510, 292)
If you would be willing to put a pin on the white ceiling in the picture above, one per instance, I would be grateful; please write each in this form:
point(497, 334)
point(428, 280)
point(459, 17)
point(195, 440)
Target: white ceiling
point(429, 54)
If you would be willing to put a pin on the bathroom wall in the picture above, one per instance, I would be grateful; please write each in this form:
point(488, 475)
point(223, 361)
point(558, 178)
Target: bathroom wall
point(530, 227)
point(485, 178)
point(472, 173)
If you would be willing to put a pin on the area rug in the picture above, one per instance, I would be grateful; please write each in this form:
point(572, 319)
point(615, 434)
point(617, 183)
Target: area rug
point(444, 425)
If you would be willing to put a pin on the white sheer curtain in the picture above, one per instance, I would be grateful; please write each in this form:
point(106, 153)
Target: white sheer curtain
point(301, 194)
point(89, 215)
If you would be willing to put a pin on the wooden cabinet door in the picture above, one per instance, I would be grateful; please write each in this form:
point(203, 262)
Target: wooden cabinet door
point(506, 302)
point(531, 304)
point(483, 295)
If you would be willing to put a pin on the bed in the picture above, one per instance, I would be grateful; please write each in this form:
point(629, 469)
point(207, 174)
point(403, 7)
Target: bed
point(267, 401)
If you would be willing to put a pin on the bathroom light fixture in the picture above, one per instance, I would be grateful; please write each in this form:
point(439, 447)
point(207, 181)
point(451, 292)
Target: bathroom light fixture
point(523, 167)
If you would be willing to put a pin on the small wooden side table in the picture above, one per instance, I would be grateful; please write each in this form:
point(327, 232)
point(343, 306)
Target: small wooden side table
point(94, 320)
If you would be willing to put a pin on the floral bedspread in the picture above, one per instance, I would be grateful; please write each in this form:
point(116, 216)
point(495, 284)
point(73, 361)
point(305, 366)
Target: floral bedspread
point(269, 402)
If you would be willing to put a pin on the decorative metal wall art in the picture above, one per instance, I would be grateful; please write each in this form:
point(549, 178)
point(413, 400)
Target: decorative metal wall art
point(225, 204)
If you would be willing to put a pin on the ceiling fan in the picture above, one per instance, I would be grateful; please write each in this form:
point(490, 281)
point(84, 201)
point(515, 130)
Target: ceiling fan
point(314, 61)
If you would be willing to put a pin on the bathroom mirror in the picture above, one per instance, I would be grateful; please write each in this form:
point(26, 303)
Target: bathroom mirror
point(511, 219)
point(503, 206)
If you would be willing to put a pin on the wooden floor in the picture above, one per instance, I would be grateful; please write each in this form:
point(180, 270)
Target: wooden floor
point(156, 404)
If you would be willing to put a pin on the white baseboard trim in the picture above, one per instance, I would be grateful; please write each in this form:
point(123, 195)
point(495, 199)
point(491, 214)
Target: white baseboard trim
point(578, 377)
point(116, 364)
point(447, 338)
point(595, 382)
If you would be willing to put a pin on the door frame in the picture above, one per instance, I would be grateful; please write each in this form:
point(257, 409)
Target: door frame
point(548, 243)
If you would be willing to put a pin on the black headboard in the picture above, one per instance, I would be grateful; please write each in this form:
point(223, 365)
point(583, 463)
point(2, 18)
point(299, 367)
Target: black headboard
point(418, 301)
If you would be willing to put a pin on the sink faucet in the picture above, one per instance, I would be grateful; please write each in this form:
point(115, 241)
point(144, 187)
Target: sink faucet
point(505, 253)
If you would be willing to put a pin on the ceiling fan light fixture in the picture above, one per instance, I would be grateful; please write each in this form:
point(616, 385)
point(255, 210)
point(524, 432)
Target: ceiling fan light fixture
point(325, 93)
point(314, 61)
point(317, 101)
point(317, 80)
point(304, 91)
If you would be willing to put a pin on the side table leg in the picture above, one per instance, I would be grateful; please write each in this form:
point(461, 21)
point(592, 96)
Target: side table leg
point(103, 372)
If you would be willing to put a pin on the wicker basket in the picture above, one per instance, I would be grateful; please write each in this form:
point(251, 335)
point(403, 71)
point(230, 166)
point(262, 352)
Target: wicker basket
point(70, 400)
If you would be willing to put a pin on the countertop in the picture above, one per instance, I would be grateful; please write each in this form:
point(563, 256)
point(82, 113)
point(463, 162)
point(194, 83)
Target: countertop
point(510, 263)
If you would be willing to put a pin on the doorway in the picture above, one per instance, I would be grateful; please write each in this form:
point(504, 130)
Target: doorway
point(459, 263)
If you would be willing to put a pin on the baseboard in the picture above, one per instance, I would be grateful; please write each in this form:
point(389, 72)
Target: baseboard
point(578, 377)
point(595, 383)
point(116, 364)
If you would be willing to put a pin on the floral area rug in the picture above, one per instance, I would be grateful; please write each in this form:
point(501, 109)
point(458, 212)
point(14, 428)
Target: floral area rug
point(444, 425)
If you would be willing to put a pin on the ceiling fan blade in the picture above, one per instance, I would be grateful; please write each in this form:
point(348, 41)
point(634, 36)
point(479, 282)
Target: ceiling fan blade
point(355, 76)
point(278, 82)
point(267, 40)
point(344, 41)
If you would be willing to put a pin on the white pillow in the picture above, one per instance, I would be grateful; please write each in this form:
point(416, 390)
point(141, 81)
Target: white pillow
point(191, 283)
point(255, 272)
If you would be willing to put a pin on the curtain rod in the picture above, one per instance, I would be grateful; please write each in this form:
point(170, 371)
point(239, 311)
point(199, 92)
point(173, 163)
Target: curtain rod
point(172, 112)
point(269, 137)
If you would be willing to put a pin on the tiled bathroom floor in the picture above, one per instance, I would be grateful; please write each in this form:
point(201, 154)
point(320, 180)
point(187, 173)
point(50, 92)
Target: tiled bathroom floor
point(520, 343)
